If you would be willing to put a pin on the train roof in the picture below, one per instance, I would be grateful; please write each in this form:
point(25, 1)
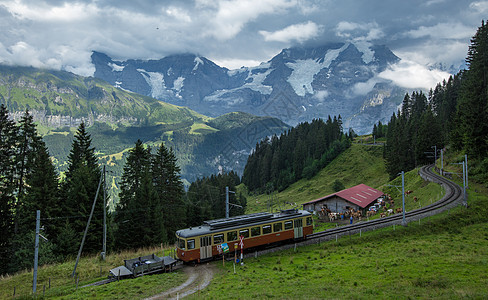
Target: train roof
point(218, 225)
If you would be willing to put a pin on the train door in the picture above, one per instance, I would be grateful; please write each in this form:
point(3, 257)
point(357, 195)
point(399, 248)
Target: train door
point(298, 228)
point(205, 247)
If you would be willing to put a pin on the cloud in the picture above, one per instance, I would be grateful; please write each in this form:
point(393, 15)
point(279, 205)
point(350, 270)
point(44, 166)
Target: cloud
point(321, 95)
point(411, 75)
point(479, 6)
point(359, 31)
point(62, 34)
point(231, 16)
point(297, 32)
point(233, 64)
point(66, 12)
point(363, 88)
point(442, 31)
point(178, 13)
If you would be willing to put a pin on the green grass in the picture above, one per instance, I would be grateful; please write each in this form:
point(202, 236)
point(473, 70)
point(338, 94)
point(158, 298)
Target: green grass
point(90, 269)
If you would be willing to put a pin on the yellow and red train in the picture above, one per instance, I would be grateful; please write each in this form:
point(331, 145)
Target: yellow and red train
point(214, 237)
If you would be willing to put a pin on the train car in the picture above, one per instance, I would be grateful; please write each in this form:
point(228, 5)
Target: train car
point(214, 237)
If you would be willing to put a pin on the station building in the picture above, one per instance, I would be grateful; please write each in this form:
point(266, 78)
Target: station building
point(358, 197)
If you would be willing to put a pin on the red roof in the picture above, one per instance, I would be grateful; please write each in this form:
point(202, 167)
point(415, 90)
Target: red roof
point(361, 195)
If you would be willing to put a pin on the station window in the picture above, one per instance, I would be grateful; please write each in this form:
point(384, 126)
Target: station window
point(288, 225)
point(255, 231)
point(231, 236)
point(191, 244)
point(277, 227)
point(181, 244)
point(309, 221)
point(244, 233)
point(266, 229)
point(218, 239)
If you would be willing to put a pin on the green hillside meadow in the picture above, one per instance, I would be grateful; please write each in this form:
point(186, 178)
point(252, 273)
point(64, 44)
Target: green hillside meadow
point(444, 256)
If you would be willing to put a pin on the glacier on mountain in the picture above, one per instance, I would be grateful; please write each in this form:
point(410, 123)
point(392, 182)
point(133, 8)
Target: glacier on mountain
point(298, 84)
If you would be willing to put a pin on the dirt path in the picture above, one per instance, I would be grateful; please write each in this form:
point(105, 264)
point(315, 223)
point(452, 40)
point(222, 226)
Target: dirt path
point(199, 277)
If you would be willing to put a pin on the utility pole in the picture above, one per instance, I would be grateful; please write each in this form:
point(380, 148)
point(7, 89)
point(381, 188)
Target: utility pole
point(404, 223)
point(464, 185)
point(104, 250)
point(86, 228)
point(227, 204)
point(466, 166)
point(435, 154)
point(36, 251)
point(465, 178)
point(442, 162)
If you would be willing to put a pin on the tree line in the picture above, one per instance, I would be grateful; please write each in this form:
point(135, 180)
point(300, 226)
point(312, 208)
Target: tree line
point(300, 152)
point(454, 113)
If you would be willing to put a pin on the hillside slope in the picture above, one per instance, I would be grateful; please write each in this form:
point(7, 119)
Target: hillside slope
point(358, 164)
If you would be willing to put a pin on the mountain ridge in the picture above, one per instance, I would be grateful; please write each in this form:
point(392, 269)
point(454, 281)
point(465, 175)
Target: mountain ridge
point(306, 82)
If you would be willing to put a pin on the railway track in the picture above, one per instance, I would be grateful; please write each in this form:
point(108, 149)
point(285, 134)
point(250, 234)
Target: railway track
point(452, 198)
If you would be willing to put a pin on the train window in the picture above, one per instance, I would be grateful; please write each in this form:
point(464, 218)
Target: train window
point(277, 227)
point(231, 236)
point(288, 225)
point(191, 244)
point(255, 231)
point(181, 244)
point(218, 239)
point(266, 229)
point(244, 233)
point(309, 221)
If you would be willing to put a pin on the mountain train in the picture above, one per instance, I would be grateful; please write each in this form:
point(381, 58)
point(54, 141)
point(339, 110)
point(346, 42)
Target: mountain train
point(218, 237)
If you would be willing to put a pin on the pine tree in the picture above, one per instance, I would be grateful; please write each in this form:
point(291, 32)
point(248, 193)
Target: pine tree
point(134, 197)
point(169, 189)
point(8, 139)
point(472, 109)
point(41, 192)
point(79, 190)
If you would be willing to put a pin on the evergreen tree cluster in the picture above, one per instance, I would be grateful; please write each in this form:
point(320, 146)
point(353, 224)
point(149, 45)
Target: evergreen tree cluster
point(380, 130)
point(151, 206)
point(455, 113)
point(412, 134)
point(28, 182)
point(206, 198)
point(150, 211)
point(298, 153)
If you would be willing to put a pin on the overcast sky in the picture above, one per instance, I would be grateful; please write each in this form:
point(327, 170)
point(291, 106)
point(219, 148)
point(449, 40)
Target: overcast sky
point(234, 33)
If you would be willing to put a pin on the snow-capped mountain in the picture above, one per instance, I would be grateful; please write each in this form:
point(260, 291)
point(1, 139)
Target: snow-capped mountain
point(296, 85)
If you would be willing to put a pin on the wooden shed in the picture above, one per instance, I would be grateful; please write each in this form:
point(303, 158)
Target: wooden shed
point(357, 197)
